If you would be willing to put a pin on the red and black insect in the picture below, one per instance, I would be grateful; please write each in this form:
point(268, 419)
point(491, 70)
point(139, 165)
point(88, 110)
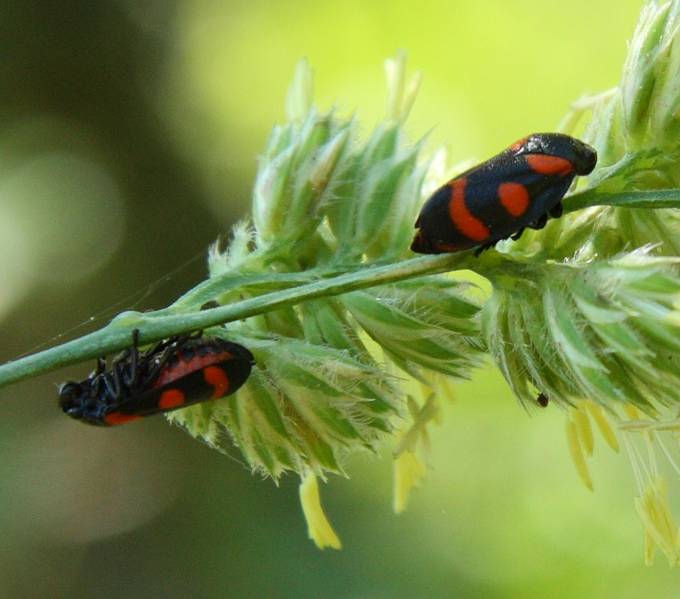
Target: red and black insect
point(518, 188)
point(176, 373)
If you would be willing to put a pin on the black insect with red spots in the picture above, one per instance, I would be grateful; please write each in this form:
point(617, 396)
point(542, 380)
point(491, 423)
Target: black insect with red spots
point(518, 188)
point(176, 373)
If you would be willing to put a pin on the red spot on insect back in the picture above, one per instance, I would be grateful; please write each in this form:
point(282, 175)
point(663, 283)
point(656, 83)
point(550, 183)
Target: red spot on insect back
point(120, 418)
point(172, 398)
point(514, 197)
point(466, 222)
point(549, 165)
point(217, 377)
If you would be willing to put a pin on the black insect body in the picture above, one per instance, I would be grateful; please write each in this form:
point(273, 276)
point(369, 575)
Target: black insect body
point(520, 187)
point(176, 373)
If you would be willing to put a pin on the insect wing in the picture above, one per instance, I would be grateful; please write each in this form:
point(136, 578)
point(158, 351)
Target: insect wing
point(518, 188)
point(512, 195)
point(202, 383)
point(487, 203)
point(200, 370)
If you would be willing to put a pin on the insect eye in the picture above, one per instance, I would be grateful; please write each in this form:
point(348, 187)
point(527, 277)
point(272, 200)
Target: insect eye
point(534, 145)
point(70, 390)
point(70, 396)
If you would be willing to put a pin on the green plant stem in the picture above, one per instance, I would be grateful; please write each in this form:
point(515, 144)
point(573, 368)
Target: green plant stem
point(154, 326)
point(655, 198)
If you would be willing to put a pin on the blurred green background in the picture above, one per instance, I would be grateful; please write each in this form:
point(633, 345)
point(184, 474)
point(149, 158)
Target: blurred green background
point(128, 142)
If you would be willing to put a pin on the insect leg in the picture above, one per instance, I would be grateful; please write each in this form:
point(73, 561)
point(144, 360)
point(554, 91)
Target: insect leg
point(111, 391)
point(557, 210)
point(539, 223)
point(101, 366)
point(158, 363)
point(481, 248)
point(131, 374)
